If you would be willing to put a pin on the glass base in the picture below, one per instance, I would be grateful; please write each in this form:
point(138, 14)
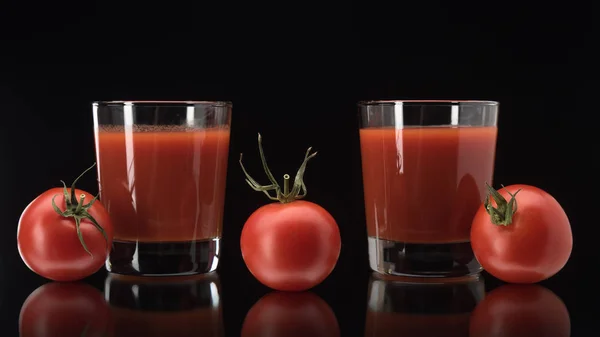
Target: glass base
point(445, 260)
point(164, 258)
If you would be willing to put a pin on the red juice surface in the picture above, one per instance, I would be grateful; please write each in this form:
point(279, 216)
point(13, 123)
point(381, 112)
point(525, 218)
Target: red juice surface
point(424, 185)
point(163, 183)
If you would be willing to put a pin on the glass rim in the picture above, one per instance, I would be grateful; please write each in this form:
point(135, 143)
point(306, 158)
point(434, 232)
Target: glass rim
point(428, 102)
point(162, 103)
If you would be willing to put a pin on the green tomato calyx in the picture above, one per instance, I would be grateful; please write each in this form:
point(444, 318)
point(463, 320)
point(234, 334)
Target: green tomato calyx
point(78, 210)
point(502, 214)
point(284, 195)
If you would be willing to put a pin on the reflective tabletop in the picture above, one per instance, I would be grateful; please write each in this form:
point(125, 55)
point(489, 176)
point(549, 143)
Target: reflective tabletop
point(346, 304)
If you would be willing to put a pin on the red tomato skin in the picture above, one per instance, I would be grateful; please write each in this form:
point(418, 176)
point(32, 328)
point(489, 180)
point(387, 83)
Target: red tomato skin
point(64, 310)
point(537, 244)
point(292, 246)
point(288, 314)
point(520, 310)
point(48, 242)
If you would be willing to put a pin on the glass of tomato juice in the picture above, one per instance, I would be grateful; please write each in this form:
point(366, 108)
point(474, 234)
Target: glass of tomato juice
point(425, 165)
point(161, 169)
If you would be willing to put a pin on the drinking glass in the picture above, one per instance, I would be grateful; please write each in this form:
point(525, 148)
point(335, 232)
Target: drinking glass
point(161, 170)
point(425, 165)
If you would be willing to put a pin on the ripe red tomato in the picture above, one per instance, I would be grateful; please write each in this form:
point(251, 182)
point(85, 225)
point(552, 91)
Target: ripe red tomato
point(521, 235)
point(65, 247)
point(519, 310)
point(64, 309)
point(290, 314)
point(292, 245)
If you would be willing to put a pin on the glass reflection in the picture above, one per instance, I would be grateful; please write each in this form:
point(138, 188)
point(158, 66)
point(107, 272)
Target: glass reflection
point(397, 306)
point(290, 314)
point(521, 311)
point(64, 309)
point(165, 306)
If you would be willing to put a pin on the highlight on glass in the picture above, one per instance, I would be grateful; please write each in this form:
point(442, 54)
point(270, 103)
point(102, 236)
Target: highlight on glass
point(425, 165)
point(161, 169)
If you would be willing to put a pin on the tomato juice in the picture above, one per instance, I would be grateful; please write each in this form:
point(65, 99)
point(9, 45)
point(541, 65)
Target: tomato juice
point(425, 184)
point(163, 183)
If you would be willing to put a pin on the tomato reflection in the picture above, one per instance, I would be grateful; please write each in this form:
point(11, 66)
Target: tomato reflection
point(65, 310)
point(165, 306)
point(406, 307)
point(290, 314)
point(521, 310)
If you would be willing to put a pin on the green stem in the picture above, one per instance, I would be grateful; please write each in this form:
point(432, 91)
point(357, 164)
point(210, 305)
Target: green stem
point(81, 175)
point(286, 184)
point(80, 204)
point(503, 213)
point(298, 190)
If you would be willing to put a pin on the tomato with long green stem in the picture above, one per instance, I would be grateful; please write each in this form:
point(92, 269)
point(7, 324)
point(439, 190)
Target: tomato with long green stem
point(293, 244)
point(63, 238)
point(521, 234)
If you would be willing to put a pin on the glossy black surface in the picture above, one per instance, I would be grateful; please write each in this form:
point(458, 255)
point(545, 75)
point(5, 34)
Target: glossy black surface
point(347, 304)
point(295, 75)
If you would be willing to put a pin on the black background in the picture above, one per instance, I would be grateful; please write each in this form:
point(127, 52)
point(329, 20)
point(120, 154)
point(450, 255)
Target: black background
point(294, 73)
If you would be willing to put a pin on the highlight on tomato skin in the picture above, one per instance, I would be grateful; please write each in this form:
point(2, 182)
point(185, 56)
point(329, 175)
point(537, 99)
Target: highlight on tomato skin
point(60, 309)
point(65, 234)
point(521, 234)
point(290, 314)
point(520, 310)
point(292, 244)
